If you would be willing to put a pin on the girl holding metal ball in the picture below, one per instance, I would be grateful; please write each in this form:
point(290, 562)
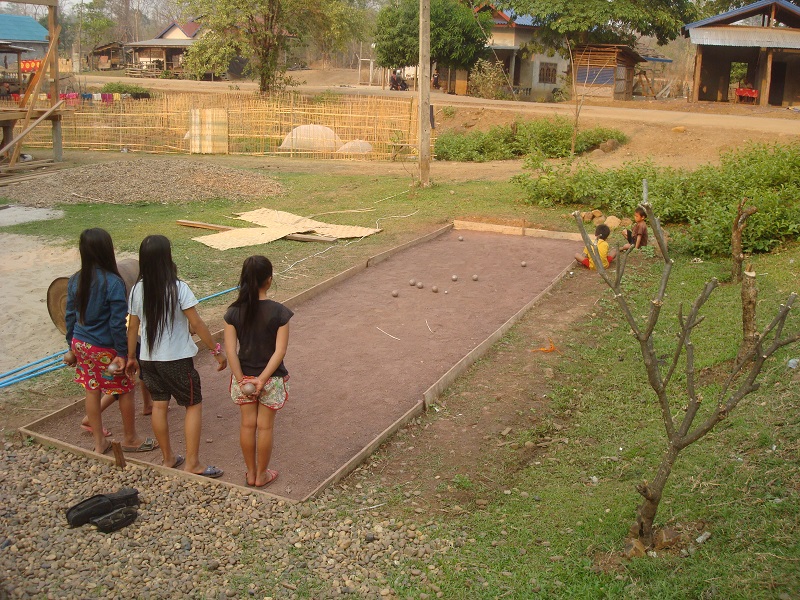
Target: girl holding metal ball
point(259, 381)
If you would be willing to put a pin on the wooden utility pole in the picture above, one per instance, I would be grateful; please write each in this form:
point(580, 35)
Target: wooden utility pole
point(424, 92)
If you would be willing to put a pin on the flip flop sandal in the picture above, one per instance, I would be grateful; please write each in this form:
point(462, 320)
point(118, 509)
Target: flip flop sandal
point(212, 472)
point(148, 445)
point(101, 504)
point(273, 475)
point(115, 520)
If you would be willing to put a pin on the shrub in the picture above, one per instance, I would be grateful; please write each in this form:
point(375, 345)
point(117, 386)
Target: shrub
point(705, 199)
point(488, 80)
point(551, 138)
point(123, 88)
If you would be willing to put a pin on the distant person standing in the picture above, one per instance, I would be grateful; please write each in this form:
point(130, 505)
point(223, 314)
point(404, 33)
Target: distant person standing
point(436, 79)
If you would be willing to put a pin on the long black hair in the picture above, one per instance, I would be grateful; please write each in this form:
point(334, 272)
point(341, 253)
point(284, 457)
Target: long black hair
point(97, 252)
point(255, 271)
point(159, 276)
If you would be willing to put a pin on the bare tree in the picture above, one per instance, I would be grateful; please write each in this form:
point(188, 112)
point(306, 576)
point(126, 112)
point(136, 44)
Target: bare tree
point(682, 431)
point(739, 222)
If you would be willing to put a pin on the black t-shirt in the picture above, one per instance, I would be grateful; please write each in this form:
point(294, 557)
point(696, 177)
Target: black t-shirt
point(257, 340)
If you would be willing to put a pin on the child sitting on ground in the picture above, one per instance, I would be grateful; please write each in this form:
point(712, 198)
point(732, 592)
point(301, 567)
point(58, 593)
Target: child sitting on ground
point(636, 237)
point(607, 254)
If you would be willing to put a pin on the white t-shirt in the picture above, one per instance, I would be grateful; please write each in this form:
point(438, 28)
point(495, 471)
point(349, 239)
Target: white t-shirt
point(176, 341)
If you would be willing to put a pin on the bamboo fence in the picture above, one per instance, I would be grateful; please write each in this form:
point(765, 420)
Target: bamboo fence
point(241, 123)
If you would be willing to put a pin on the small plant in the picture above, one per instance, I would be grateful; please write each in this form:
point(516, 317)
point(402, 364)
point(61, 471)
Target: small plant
point(463, 482)
point(448, 111)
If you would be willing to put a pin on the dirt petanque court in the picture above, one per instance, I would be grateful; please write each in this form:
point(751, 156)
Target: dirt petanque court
point(362, 360)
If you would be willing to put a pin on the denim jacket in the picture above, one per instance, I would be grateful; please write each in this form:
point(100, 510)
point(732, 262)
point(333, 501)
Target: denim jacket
point(104, 322)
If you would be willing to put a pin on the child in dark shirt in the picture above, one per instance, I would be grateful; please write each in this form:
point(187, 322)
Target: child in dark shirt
point(636, 237)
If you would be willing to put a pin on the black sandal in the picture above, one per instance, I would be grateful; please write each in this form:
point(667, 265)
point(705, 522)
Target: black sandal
point(101, 504)
point(115, 520)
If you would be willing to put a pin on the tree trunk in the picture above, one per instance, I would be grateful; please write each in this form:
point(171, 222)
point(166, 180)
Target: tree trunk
point(646, 513)
point(749, 297)
point(736, 239)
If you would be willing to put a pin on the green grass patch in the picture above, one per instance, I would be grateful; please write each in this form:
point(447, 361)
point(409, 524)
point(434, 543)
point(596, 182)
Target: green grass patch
point(548, 138)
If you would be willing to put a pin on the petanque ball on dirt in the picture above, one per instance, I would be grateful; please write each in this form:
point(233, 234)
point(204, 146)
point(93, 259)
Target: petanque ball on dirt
point(412, 282)
point(474, 278)
point(461, 238)
point(248, 389)
point(395, 293)
point(523, 263)
point(419, 285)
point(445, 291)
point(435, 290)
point(454, 278)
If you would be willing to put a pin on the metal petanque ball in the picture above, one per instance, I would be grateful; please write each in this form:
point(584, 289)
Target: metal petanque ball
point(523, 264)
point(419, 285)
point(435, 290)
point(474, 278)
point(461, 238)
point(412, 282)
point(112, 368)
point(395, 293)
point(248, 389)
point(454, 278)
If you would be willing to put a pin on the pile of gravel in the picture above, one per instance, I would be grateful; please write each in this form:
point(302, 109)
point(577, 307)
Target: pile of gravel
point(194, 539)
point(141, 180)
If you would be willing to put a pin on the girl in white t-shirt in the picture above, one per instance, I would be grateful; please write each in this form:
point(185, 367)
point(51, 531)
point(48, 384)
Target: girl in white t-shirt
point(164, 306)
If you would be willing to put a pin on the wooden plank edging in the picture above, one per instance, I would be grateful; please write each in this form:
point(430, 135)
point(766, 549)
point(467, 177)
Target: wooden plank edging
point(367, 450)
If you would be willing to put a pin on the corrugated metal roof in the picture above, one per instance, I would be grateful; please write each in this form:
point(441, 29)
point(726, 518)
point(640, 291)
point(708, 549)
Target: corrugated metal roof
point(785, 12)
point(746, 37)
point(18, 28)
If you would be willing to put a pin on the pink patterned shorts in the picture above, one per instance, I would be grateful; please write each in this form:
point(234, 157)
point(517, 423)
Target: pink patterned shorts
point(90, 371)
point(273, 395)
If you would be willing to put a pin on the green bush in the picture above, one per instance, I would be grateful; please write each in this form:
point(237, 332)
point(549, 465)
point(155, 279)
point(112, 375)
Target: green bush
point(551, 138)
point(123, 88)
point(705, 199)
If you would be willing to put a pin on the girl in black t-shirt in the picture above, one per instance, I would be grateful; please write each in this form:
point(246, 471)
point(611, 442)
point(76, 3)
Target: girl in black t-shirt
point(260, 327)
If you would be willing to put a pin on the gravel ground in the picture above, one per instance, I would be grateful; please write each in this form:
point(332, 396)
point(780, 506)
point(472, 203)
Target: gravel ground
point(141, 180)
point(200, 540)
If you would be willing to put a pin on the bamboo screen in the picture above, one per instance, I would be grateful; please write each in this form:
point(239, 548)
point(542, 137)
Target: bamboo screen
point(243, 124)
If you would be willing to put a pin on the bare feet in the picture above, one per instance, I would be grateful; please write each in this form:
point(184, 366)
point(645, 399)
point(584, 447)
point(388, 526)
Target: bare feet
point(265, 478)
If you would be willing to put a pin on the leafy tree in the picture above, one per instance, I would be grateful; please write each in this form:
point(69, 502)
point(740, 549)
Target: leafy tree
point(335, 23)
point(458, 35)
point(604, 21)
point(259, 32)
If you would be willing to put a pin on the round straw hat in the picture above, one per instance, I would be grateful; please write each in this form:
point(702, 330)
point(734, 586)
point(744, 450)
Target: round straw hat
point(57, 292)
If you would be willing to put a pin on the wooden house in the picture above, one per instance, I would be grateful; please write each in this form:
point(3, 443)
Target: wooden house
point(764, 36)
point(165, 51)
point(609, 66)
point(107, 56)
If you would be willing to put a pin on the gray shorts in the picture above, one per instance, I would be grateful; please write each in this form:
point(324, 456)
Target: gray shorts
point(176, 378)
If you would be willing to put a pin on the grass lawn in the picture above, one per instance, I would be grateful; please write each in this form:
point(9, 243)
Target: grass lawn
point(553, 527)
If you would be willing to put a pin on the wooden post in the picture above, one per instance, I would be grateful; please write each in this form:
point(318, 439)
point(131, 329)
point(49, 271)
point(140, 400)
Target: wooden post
point(424, 92)
point(763, 93)
point(698, 65)
point(54, 29)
